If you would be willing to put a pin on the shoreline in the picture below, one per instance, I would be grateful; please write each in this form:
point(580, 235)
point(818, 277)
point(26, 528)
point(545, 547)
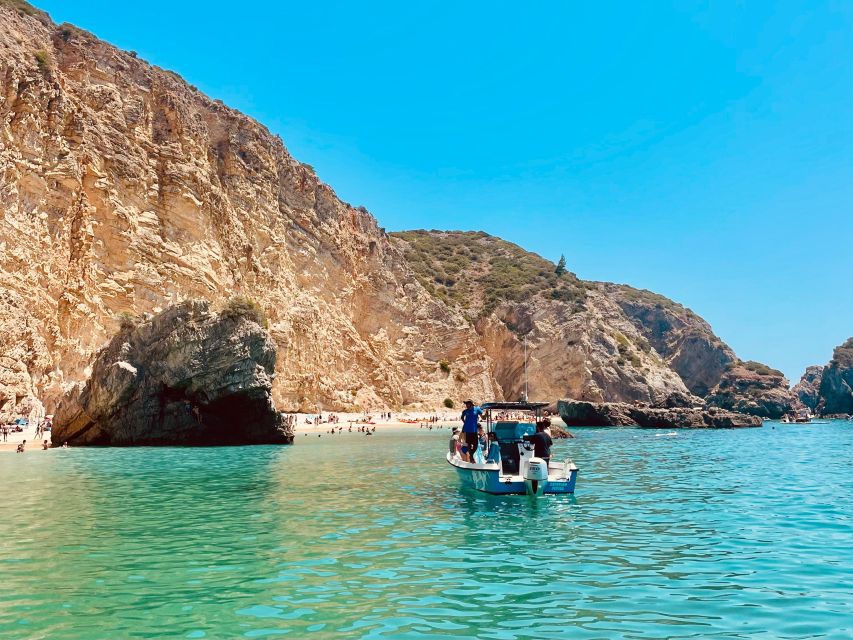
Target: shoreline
point(413, 420)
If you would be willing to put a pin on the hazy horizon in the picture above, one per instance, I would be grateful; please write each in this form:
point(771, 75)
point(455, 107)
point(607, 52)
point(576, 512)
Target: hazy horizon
point(701, 152)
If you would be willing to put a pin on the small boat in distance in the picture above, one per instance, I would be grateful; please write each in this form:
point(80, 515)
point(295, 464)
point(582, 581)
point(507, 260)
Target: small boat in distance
point(518, 472)
point(796, 418)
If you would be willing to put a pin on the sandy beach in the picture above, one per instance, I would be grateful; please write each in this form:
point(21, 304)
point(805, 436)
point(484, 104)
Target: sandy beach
point(28, 434)
point(304, 424)
point(307, 422)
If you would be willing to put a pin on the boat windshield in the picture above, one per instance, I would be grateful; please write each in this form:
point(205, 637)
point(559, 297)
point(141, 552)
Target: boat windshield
point(511, 421)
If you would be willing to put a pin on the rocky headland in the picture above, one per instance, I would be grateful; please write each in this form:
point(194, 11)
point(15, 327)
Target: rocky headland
point(754, 388)
point(187, 376)
point(808, 388)
point(620, 414)
point(593, 341)
point(835, 393)
point(127, 191)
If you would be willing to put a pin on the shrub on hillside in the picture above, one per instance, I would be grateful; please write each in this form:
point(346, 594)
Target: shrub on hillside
point(243, 308)
point(448, 403)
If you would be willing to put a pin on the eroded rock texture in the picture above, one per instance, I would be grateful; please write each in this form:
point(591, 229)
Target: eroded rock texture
point(808, 388)
point(756, 389)
point(188, 376)
point(616, 414)
point(836, 384)
point(123, 189)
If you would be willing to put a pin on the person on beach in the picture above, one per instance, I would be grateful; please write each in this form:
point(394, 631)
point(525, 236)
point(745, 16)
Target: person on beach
point(494, 454)
point(21, 446)
point(470, 421)
point(454, 441)
point(45, 446)
point(541, 440)
point(5, 433)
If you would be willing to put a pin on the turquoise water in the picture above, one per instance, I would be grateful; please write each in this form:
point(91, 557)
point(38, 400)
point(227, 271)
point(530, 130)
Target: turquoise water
point(705, 534)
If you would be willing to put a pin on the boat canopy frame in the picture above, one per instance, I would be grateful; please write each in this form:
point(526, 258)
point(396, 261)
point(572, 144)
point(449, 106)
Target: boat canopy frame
point(536, 407)
point(533, 407)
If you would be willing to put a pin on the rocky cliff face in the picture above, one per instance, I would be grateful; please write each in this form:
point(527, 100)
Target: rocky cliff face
point(808, 388)
point(592, 341)
point(186, 376)
point(123, 189)
point(836, 384)
point(580, 342)
point(620, 414)
point(684, 340)
point(754, 388)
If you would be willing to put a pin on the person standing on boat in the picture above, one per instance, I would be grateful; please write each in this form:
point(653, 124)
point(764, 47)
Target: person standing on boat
point(470, 420)
point(541, 440)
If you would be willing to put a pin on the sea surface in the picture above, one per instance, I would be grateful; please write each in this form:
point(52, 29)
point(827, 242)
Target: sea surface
point(698, 534)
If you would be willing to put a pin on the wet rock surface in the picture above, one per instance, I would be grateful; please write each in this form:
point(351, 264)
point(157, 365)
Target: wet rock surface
point(620, 414)
point(188, 376)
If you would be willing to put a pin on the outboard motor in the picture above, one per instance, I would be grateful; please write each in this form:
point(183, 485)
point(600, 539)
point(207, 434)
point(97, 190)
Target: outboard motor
point(536, 476)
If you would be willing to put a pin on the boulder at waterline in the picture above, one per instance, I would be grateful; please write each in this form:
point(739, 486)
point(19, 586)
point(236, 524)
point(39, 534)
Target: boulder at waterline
point(188, 376)
point(620, 414)
point(754, 388)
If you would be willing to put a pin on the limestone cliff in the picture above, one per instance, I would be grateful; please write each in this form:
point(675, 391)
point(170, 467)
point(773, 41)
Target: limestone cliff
point(580, 342)
point(592, 341)
point(836, 383)
point(808, 388)
point(186, 376)
point(123, 189)
point(684, 340)
point(754, 388)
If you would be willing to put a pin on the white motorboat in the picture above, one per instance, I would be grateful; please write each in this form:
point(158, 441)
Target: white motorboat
point(518, 471)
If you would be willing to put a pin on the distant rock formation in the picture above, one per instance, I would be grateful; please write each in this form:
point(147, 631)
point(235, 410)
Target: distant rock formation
point(754, 388)
point(619, 414)
point(187, 376)
point(579, 341)
point(593, 341)
point(684, 340)
point(836, 384)
point(808, 388)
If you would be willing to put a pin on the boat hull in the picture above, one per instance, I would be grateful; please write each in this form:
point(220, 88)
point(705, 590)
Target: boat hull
point(488, 479)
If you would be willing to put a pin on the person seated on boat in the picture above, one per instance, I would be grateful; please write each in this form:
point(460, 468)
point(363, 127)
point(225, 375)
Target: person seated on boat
point(494, 449)
point(470, 420)
point(454, 442)
point(541, 440)
point(482, 440)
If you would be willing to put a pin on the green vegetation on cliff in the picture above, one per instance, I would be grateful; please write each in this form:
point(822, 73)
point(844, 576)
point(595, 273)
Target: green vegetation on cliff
point(474, 270)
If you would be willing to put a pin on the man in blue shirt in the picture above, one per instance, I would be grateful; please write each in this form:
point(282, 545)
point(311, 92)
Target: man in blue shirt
point(470, 419)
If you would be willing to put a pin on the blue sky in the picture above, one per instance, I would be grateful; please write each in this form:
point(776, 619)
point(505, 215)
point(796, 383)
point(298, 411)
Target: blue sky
point(701, 150)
